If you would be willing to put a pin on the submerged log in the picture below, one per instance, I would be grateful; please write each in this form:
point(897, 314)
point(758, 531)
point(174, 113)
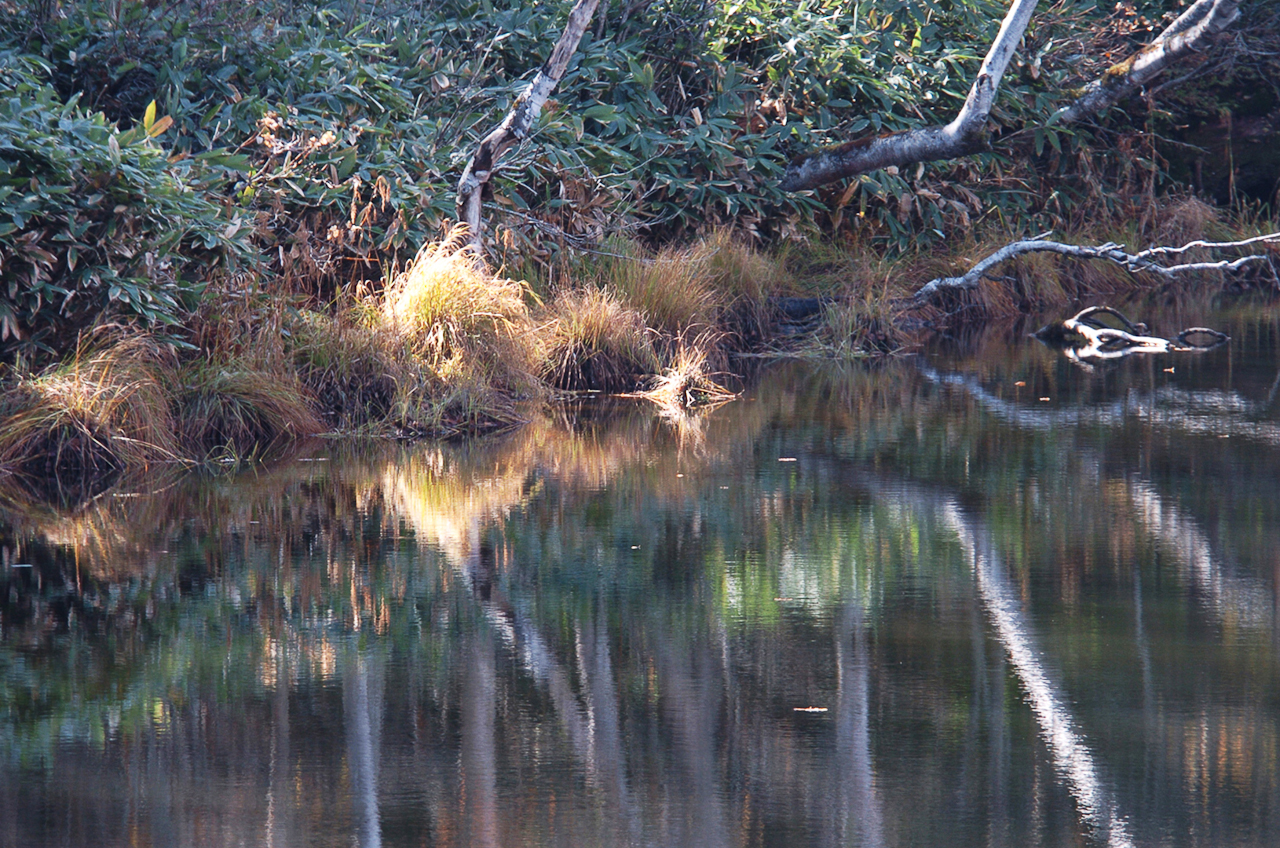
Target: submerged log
point(1086, 337)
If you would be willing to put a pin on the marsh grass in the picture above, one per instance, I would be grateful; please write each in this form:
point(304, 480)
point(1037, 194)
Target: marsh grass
point(101, 411)
point(350, 368)
point(670, 287)
point(594, 341)
point(688, 381)
point(449, 347)
point(239, 409)
point(472, 329)
point(745, 280)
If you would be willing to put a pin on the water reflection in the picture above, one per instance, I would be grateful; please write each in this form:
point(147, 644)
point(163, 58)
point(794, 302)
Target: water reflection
point(956, 615)
point(1072, 756)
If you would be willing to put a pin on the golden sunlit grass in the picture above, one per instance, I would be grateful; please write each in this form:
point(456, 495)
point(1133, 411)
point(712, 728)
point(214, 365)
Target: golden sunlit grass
point(670, 288)
point(471, 328)
point(687, 382)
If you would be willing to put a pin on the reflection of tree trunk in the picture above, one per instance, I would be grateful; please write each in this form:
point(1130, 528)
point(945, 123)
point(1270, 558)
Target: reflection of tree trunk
point(608, 762)
point(479, 746)
point(593, 733)
point(364, 730)
point(279, 796)
point(861, 821)
point(1224, 413)
point(1225, 594)
point(691, 704)
point(1071, 755)
point(158, 803)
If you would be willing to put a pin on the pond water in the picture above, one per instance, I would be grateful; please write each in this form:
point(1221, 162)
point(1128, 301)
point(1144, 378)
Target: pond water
point(978, 597)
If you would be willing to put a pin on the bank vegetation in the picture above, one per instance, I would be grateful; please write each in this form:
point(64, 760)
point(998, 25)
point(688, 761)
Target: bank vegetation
point(224, 227)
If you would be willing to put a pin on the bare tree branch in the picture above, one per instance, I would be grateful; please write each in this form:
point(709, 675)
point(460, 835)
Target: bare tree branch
point(1185, 35)
point(963, 136)
point(519, 121)
point(1133, 261)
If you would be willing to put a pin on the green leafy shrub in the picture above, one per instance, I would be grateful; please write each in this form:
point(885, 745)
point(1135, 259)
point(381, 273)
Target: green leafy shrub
point(98, 225)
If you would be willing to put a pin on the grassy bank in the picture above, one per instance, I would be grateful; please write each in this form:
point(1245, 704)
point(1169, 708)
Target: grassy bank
point(451, 347)
point(226, 227)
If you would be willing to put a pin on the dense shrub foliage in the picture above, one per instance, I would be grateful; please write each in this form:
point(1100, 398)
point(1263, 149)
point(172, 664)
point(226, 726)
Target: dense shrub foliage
point(328, 136)
point(97, 224)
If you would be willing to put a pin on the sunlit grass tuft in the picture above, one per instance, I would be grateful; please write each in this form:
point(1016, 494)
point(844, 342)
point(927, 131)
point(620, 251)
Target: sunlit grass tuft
point(471, 328)
point(671, 288)
point(687, 381)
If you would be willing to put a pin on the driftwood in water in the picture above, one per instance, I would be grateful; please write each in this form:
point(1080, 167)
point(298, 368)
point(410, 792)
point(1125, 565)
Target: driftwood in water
point(1086, 337)
point(1146, 260)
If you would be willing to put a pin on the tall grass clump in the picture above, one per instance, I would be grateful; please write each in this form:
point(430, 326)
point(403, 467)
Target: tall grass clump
point(101, 411)
point(238, 409)
point(349, 367)
point(470, 328)
point(670, 287)
point(594, 341)
point(745, 280)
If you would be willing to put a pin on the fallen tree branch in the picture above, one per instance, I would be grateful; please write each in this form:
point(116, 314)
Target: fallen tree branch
point(1085, 338)
point(519, 121)
point(1134, 262)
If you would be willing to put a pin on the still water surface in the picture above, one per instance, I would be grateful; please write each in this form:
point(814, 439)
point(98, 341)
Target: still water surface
point(979, 597)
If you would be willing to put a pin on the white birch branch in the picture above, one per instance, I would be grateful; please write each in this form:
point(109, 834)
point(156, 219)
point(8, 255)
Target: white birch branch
point(1185, 35)
point(518, 122)
point(1134, 262)
point(965, 135)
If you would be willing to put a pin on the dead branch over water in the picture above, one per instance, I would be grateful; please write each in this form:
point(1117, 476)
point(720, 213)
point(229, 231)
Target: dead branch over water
point(1145, 260)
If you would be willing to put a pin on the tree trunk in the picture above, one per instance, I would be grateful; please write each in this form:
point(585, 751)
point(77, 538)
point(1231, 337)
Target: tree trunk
point(519, 121)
